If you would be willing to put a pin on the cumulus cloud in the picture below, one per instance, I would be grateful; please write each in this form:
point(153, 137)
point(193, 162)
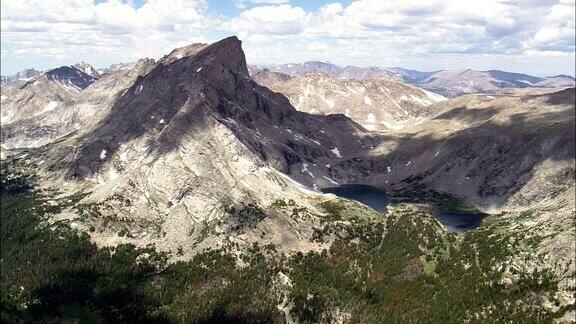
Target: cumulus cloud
point(557, 31)
point(362, 31)
point(68, 30)
point(274, 20)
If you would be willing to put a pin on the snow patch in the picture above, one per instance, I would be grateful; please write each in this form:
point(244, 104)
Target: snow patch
point(525, 82)
point(421, 101)
point(305, 170)
point(139, 89)
point(233, 122)
point(199, 69)
point(336, 152)
point(371, 118)
point(103, 155)
point(434, 96)
point(331, 181)
point(50, 106)
point(367, 100)
point(329, 102)
point(112, 174)
point(161, 121)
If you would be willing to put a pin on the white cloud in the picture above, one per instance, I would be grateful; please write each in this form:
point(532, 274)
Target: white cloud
point(274, 20)
point(114, 30)
point(557, 32)
point(365, 32)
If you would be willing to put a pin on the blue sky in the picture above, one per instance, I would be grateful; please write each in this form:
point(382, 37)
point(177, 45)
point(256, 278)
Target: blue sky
point(529, 36)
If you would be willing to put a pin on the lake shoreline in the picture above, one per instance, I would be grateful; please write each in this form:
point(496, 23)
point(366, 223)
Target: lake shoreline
point(452, 213)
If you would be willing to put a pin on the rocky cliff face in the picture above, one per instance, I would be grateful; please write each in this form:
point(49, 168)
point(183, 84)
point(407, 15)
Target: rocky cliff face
point(87, 68)
point(190, 146)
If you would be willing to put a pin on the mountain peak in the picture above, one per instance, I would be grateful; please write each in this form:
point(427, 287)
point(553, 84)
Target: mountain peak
point(69, 75)
point(226, 52)
point(87, 68)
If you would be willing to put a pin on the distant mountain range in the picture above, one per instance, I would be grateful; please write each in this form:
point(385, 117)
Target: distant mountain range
point(449, 83)
point(374, 103)
point(22, 75)
point(79, 75)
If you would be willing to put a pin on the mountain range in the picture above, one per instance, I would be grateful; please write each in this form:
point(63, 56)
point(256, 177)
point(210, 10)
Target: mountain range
point(449, 83)
point(375, 103)
point(220, 167)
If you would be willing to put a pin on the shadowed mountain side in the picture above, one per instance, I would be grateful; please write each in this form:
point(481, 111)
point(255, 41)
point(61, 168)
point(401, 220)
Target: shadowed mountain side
point(485, 163)
point(183, 95)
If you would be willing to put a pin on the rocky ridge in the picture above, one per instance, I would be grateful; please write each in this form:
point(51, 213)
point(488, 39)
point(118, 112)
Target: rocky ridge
point(376, 104)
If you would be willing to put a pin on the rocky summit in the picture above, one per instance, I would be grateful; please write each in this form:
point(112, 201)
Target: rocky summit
point(197, 183)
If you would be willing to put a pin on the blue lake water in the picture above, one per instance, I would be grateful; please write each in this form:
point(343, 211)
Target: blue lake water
point(378, 200)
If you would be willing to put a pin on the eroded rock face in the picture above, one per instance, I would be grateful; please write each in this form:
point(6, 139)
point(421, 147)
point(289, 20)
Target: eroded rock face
point(184, 147)
point(87, 68)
